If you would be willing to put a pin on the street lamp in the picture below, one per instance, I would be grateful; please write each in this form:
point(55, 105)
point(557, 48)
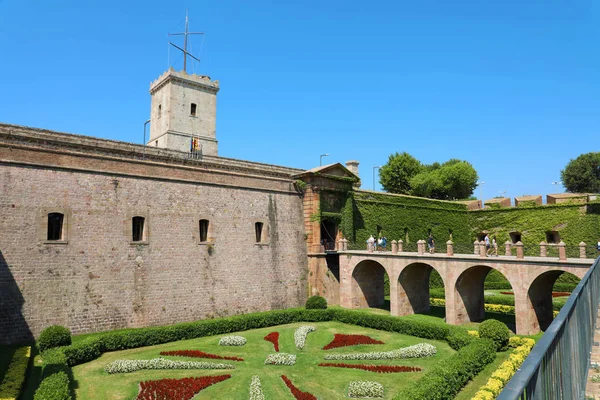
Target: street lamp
point(374, 168)
point(321, 158)
point(480, 183)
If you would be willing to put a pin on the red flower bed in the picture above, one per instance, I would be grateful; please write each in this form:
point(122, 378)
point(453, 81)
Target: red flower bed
point(298, 394)
point(273, 337)
point(198, 354)
point(180, 389)
point(554, 294)
point(341, 340)
point(382, 369)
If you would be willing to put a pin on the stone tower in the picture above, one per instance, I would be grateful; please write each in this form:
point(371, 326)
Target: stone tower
point(184, 107)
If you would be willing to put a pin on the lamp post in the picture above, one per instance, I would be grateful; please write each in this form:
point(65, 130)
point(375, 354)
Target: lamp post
point(374, 168)
point(321, 158)
point(480, 183)
point(145, 123)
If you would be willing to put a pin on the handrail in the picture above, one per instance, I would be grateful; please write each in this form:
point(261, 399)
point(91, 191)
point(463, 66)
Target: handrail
point(558, 365)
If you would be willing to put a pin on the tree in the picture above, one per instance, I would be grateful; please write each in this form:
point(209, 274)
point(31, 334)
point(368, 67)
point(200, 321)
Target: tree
point(395, 176)
point(453, 180)
point(582, 175)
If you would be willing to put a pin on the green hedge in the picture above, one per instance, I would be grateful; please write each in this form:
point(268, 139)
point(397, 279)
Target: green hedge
point(447, 378)
point(54, 387)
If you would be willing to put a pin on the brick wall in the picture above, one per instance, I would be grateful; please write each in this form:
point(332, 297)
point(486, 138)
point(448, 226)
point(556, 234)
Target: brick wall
point(99, 280)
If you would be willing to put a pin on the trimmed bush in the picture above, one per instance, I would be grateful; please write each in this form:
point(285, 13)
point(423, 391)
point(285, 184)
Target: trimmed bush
point(54, 387)
point(459, 339)
point(496, 331)
point(447, 378)
point(54, 336)
point(316, 303)
point(15, 375)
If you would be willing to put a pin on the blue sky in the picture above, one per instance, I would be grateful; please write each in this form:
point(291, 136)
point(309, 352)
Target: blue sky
point(511, 86)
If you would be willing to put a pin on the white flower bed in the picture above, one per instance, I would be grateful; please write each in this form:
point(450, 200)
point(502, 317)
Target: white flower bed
point(232, 341)
point(281, 359)
point(300, 335)
point(415, 351)
point(256, 392)
point(365, 389)
point(120, 366)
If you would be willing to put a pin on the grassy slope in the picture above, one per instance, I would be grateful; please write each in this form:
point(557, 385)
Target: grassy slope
point(327, 383)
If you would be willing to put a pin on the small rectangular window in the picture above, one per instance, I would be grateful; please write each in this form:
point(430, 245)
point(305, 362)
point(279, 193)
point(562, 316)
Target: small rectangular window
point(193, 110)
point(137, 229)
point(515, 237)
point(204, 230)
point(258, 228)
point(159, 110)
point(55, 226)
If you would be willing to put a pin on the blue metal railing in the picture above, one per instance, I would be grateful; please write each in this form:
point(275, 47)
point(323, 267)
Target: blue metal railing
point(558, 365)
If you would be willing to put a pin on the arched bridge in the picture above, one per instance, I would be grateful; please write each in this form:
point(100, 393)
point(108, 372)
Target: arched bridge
point(361, 282)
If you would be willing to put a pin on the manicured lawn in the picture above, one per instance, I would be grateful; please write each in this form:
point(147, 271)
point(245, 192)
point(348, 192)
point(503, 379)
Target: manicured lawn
point(323, 382)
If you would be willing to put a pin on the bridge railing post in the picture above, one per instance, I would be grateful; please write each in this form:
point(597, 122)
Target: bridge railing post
point(345, 244)
point(476, 247)
point(449, 248)
point(582, 250)
point(562, 251)
point(421, 246)
point(370, 247)
point(394, 247)
point(508, 248)
point(482, 250)
point(400, 246)
point(519, 246)
point(543, 249)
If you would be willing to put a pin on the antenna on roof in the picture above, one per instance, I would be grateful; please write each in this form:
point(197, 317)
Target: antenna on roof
point(185, 42)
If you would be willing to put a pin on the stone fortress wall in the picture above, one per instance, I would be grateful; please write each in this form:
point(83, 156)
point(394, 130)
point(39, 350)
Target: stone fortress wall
point(96, 278)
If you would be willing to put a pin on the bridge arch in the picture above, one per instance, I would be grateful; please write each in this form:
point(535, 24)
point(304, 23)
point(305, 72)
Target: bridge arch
point(412, 295)
point(367, 285)
point(539, 297)
point(469, 292)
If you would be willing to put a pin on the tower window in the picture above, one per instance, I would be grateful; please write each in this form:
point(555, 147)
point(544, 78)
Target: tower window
point(137, 229)
point(156, 143)
point(204, 230)
point(193, 110)
point(258, 229)
point(55, 226)
point(159, 110)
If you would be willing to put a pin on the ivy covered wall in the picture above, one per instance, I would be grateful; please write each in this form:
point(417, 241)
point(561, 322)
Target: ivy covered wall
point(366, 213)
point(573, 222)
point(403, 217)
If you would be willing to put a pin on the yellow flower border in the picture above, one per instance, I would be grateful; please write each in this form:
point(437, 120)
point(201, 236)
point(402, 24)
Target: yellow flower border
point(507, 369)
point(15, 374)
point(497, 308)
